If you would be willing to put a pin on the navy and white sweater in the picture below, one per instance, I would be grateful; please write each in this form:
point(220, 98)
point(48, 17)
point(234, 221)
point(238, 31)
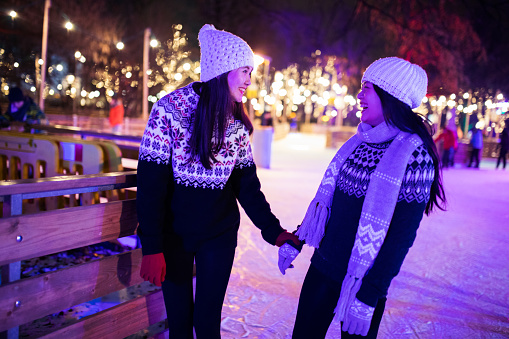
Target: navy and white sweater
point(179, 202)
point(332, 257)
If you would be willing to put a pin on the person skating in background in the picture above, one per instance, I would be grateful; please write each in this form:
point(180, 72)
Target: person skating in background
point(21, 108)
point(369, 205)
point(195, 163)
point(503, 146)
point(116, 114)
point(476, 142)
point(449, 145)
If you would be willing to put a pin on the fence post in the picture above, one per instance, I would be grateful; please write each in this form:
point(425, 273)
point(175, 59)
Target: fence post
point(12, 272)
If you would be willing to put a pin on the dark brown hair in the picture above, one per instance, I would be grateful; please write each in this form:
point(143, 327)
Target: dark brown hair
point(215, 107)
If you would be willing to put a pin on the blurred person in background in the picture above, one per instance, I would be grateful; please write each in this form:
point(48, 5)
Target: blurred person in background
point(476, 142)
point(449, 145)
point(116, 114)
point(21, 108)
point(503, 146)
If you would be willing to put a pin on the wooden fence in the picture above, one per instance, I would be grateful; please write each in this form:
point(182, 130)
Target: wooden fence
point(33, 235)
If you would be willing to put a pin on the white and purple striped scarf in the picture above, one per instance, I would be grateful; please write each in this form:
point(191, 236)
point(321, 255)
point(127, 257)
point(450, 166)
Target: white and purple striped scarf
point(377, 209)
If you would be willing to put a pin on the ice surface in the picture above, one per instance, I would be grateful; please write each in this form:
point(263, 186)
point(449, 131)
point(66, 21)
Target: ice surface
point(453, 283)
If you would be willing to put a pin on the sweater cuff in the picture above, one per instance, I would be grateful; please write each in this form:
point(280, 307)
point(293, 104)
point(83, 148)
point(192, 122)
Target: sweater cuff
point(368, 295)
point(150, 244)
point(270, 235)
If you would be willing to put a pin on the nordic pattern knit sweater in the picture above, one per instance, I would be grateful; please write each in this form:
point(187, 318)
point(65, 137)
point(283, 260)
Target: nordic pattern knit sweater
point(179, 202)
point(332, 257)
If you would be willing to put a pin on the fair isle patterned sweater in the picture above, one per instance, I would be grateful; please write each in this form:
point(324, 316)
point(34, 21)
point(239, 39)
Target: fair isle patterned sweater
point(332, 257)
point(179, 202)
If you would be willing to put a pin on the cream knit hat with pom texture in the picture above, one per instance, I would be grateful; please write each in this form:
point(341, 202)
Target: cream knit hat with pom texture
point(222, 52)
point(406, 81)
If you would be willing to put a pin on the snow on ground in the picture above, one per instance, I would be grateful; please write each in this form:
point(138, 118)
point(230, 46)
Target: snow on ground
point(453, 283)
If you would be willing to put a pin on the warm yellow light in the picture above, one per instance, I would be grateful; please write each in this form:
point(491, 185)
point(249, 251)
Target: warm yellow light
point(154, 43)
point(16, 64)
point(278, 76)
point(258, 60)
point(13, 14)
point(77, 54)
point(41, 62)
point(186, 66)
point(69, 25)
point(120, 45)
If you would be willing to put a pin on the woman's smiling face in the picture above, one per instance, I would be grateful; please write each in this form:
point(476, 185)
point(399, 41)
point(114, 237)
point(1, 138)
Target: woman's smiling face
point(238, 81)
point(372, 111)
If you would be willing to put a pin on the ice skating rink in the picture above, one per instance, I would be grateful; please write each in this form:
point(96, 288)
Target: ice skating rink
point(453, 283)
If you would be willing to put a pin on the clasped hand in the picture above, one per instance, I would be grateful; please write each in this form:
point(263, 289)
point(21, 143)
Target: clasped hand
point(153, 268)
point(289, 247)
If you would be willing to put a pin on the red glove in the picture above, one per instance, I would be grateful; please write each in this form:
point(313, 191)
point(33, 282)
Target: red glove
point(283, 237)
point(153, 268)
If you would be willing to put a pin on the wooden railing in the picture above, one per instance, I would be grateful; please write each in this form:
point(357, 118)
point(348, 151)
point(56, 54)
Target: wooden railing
point(128, 144)
point(33, 235)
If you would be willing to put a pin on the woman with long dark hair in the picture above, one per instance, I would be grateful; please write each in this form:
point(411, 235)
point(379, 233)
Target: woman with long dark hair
point(371, 200)
point(195, 163)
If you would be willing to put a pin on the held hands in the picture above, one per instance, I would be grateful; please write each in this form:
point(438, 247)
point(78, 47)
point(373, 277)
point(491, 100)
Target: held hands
point(153, 268)
point(287, 254)
point(290, 247)
point(358, 319)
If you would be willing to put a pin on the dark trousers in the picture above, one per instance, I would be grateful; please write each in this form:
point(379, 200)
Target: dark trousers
point(213, 268)
point(448, 158)
point(318, 299)
point(474, 156)
point(501, 156)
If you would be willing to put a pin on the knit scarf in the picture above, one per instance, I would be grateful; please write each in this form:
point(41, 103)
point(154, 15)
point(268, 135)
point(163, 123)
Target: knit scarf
point(377, 209)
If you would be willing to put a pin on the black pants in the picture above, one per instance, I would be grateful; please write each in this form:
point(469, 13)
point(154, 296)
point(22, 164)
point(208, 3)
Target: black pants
point(318, 299)
point(213, 268)
point(501, 156)
point(474, 156)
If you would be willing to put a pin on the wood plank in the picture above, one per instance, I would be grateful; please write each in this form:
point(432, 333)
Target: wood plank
point(54, 291)
point(55, 231)
point(10, 187)
point(119, 321)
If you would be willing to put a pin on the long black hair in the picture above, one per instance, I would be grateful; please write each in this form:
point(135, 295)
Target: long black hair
point(400, 115)
point(215, 107)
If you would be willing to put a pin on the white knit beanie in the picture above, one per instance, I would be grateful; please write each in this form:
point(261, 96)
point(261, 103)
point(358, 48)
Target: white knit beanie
point(222, 52)
point(406, 81)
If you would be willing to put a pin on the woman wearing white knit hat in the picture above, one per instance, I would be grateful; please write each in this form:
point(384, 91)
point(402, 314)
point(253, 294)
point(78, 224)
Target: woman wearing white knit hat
point(195, 163)
point(369, 205)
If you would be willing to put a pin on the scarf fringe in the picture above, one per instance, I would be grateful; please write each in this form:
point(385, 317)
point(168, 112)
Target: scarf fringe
point(351, 285)
point(312, 228)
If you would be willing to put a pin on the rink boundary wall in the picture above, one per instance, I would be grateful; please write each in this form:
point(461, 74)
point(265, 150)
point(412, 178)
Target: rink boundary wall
point(43, 233)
